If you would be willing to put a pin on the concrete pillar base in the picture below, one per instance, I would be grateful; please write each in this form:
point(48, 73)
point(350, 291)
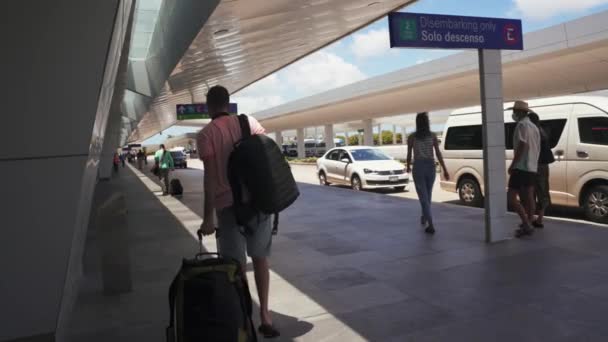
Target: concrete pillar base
point(301, 147)
point(112, 227)
point(490, 74)
point(368, 133)
point(329, 137)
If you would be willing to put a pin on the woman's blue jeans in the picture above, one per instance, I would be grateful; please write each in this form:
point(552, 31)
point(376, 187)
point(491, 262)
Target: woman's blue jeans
point(424, 177)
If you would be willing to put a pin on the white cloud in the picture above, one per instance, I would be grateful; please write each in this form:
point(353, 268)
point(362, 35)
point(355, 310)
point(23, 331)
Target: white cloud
point(372, 43)
point(263, 94)
point(253, 104)
point(319, 72)
point(316, 73)
point(544, 9)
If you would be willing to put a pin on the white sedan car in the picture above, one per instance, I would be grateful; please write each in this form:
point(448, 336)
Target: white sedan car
point(361, 167)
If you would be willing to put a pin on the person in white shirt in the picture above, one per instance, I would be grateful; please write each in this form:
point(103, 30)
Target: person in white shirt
point(522, 172)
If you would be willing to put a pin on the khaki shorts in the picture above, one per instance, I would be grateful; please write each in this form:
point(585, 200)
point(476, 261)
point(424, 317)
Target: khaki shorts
point(233, 242)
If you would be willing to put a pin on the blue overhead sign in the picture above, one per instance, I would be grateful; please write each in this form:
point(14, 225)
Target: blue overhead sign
point(416, 30)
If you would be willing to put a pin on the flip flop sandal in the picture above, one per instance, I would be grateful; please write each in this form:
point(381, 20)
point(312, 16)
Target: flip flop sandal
point(268, 331)
point(536, 224)
point(523, 232)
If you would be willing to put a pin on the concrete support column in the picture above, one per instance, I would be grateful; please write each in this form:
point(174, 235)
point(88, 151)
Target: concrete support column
point(45, 222)
point(301, 147)
point(403, 135)
point(112, 230)
point(490, 74)
point(329, 136)
point(346, 138)
point(368, 132)
point(278, 137)
point(394, 134)
point(110, 144)
point(379, 135)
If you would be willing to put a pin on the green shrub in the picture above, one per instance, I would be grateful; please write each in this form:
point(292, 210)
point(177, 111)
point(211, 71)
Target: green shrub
point(309, 160)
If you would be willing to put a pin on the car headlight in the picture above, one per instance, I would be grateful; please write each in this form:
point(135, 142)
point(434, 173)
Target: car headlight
point(368, 171)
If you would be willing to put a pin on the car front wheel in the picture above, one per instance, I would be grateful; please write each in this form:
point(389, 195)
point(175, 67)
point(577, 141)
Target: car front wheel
point(356, 183)
point(323, 178)
point(470, 192)
point(596, 204)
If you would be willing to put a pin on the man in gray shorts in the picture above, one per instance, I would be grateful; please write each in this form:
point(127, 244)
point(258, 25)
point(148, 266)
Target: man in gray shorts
point(215, 144)
point(233, 243)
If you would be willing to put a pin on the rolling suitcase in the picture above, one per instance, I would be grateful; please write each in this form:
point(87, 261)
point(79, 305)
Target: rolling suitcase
point(175, 187)
point(209, 300)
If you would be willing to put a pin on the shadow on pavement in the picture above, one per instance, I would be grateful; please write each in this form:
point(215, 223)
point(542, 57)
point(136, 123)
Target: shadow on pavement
point(359, 267)
point(552, 212)
point(158, 241)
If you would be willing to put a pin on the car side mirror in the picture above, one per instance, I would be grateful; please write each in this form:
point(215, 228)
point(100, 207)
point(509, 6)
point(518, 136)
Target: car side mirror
point(345, 160)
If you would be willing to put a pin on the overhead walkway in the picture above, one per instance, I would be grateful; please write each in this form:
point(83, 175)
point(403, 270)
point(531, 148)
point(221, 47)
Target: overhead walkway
point(355, 266)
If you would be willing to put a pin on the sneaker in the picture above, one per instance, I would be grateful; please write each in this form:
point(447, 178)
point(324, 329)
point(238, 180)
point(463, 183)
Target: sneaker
point(430, 230)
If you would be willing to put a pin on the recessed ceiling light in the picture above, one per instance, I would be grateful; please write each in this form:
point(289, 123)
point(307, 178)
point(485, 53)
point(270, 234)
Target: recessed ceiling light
point(223, 31)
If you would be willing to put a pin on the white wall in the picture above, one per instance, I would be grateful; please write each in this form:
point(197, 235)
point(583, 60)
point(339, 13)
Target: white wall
point(55, 103)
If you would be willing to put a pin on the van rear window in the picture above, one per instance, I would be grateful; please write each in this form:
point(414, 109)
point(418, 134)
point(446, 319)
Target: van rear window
point(470, 137)
point(464, 138)
point(553, 129)
point(593, 130)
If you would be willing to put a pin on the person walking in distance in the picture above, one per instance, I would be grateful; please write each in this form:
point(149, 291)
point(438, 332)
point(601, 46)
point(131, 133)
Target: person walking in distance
point(541, 186)
point(164, 163)
point(115, 162)
point(140, 159)
point(422, 143)
point(215, 143)
point(522, 172)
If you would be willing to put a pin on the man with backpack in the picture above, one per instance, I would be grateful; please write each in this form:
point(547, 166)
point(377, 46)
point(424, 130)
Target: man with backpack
point(216, 143)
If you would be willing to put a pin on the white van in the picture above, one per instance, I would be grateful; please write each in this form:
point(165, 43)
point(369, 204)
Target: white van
point(578, 131)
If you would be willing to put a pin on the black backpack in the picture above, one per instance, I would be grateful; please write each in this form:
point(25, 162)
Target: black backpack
point(175, 187)
point(258, 168)
point(209, 300)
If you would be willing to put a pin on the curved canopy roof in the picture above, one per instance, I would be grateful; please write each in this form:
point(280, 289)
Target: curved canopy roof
point(244, 41)
point(563, 59)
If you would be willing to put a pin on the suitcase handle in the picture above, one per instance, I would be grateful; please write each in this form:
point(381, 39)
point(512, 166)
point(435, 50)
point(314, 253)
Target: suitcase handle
point(206, 254)
point(200, 253)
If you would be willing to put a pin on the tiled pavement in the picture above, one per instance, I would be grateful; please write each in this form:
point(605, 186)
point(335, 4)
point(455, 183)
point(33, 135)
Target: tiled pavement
point(356, 266)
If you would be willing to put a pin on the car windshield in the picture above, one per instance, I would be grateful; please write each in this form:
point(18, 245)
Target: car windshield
point(369, 154)
point(177, 154)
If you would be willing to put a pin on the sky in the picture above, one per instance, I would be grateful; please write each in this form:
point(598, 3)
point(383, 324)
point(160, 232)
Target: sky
point(366, 53)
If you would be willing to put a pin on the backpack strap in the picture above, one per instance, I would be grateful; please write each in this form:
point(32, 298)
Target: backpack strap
point(245, 128)
point(275, 225)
